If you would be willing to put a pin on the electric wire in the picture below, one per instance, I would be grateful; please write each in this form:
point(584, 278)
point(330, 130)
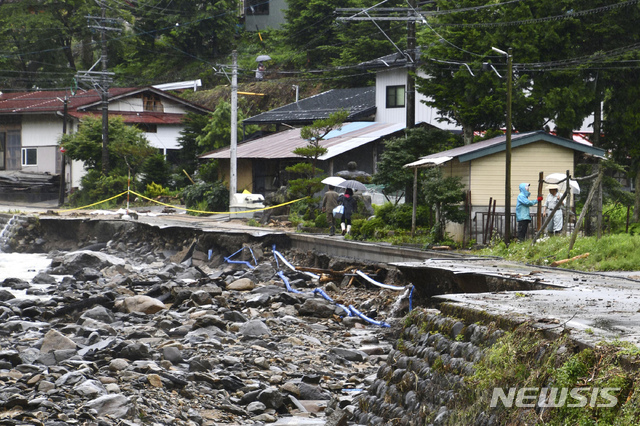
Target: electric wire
point(567, 15)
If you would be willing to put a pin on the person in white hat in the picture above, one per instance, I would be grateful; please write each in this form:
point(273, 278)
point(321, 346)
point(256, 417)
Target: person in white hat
point(553, 198)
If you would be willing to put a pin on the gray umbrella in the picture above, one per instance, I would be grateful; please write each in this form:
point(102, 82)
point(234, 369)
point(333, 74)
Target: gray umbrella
point(353, 184)
point(263, 58)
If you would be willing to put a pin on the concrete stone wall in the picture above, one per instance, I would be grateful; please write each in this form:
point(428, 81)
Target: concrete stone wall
point(424, 375)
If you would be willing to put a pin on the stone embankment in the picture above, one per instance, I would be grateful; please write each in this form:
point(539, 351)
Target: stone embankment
point(153, 326)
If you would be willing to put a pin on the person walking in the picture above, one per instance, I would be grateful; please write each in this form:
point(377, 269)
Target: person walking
point(523, 217)
point(552, 200)
point(329, 202)
point(350, 204)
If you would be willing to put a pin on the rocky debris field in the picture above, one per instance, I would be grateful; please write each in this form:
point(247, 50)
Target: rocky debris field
point(110, 337)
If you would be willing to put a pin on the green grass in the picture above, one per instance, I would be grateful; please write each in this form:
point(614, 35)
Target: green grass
point(617, 252)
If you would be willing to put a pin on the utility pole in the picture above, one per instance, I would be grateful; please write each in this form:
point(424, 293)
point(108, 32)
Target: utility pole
point(101, 80)
point(411, 59)
point(105, 94)
point(233, 163)
point(412, 14)
point(62, 159)
point(507, 179)
point(507, 172)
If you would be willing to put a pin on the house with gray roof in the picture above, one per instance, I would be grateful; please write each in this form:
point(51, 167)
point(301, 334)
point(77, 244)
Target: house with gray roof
point(359, 102)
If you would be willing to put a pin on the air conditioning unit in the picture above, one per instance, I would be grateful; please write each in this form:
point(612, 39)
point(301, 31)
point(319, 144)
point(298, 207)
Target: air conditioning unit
point(244, 205)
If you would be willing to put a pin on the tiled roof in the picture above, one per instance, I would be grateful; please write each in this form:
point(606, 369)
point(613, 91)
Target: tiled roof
point(360, 102)
point(51, 101)
point(41, 101)
point(134, 117)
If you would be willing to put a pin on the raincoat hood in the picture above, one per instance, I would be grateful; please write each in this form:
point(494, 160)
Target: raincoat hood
point(523, 189)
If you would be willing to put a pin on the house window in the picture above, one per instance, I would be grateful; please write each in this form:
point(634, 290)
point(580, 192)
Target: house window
point(257, 7)
point(395, 96)
point(29, 156)
point(3, 150)
point(152, 103)
point(147, 128)
point(13, 148)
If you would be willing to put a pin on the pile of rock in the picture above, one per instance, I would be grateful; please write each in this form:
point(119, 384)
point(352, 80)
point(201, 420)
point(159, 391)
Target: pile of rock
point(119, 340)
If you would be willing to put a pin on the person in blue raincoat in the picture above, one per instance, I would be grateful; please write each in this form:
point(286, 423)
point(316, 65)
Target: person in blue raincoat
point(523, 217)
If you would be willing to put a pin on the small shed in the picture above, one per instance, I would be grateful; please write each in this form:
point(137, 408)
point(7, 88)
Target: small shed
point(481, 166)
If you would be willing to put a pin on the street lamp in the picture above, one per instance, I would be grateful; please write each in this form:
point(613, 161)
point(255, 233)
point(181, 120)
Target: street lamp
point(507, 174)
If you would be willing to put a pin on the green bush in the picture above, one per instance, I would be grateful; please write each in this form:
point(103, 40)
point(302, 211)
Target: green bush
point(321, 221)
point(400, 216)
point(367, 229)
point(209, 197)
point(155, 169)
point(155, 190)
point(615, 216)
point(96, 187)
point(208, 171)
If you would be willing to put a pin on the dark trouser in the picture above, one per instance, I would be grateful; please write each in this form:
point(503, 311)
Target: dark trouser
point(332, 223)
point(523, 226)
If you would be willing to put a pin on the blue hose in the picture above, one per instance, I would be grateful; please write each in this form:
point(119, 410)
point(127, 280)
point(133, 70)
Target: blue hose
point(286, 283)
point(366, 318)
point(243, 262)
point(323, 294)
point(345, 309)
point(411, 298)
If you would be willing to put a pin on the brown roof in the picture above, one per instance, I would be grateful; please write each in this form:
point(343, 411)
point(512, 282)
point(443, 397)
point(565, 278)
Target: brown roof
point(53, 101)
point(134, 117)
point(281, 145)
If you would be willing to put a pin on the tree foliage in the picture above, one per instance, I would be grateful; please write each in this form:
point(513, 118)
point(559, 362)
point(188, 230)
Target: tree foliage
point(128, 147)
point(217, 132)
point(418, 142)
point(128, 151)
point(444, 195)
point(309, 181)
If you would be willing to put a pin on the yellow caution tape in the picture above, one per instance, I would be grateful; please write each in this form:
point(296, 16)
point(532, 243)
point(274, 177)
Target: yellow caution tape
point(182, 208)
point(94, 204)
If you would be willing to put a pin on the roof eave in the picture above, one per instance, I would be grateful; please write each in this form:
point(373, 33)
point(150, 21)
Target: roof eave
point(534, 137)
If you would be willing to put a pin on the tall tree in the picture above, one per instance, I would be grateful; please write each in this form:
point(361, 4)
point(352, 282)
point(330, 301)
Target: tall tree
point(418, 142)
point(40, 41)
point(178, 35)
point(217, 132)
point(308, 182)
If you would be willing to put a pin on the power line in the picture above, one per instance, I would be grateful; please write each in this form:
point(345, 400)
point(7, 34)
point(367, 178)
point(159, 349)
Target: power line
point(567, 15)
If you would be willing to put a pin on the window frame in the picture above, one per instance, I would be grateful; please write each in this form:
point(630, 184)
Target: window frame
point(391, 96)
point(25, 157)
point(152, 103)
point(258, 7)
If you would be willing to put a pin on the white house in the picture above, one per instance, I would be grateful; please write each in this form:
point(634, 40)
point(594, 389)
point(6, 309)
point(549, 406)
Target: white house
point(31, 123)
point(264, 14)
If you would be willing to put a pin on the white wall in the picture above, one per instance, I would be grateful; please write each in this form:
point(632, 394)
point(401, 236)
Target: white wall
point(165, 138)
point(273, 20)
point(424, 113)
point(134, 104)
point(42, 132)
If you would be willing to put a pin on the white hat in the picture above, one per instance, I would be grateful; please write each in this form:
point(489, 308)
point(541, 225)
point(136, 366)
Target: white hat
point(553, 186)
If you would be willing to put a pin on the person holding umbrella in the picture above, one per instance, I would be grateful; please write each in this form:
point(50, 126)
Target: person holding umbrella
point(329, 202)
point(260, 71)
point(350, 204)
point(556, 224)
